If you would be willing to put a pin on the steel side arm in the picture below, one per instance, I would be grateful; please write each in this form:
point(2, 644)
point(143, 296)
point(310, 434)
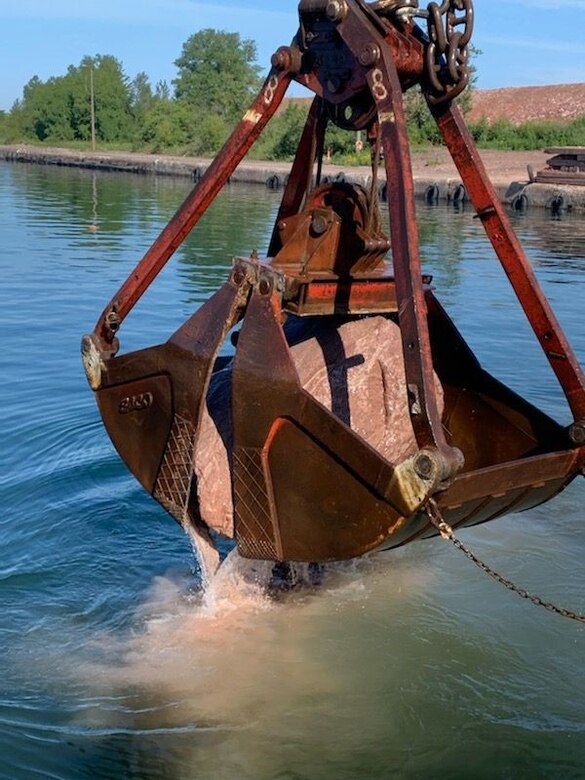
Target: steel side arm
point(513, 259)
point(437, 457)
point(301, 173)
point(194, 206)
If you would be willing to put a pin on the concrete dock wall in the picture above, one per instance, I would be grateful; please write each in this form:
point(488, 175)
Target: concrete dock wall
point(435, 178)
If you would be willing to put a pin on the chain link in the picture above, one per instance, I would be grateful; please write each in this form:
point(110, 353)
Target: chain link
point(403, 10)
point(438, 521)
point(450, 27)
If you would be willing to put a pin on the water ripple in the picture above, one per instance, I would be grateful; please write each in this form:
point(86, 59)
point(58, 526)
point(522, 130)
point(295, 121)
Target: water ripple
point(115, 664)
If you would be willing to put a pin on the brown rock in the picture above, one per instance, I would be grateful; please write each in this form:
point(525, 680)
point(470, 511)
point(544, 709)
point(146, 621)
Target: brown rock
point(355, 369)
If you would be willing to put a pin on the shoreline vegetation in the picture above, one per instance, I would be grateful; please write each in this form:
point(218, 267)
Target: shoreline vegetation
point(96, 105)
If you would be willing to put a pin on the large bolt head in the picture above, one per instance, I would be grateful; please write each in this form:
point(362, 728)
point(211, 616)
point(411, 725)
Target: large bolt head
point(425, 466)
point(577, 434)
point(336, 10)
point(264, 286)
point(319, 224)
point(238, 276)
point(370, 54)
point(287, 58)
point(113, 321)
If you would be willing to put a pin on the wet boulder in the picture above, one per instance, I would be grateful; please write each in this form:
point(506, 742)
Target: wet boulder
point(355, 368)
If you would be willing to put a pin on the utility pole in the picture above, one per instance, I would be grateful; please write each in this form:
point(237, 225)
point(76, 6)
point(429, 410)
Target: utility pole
point(92, 106)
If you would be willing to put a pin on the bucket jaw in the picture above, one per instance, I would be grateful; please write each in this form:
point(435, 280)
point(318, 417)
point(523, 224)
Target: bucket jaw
point(304, 484)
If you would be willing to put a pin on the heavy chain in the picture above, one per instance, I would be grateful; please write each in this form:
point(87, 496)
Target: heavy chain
point(438, 521)
point(450, 27)
point(404, 10)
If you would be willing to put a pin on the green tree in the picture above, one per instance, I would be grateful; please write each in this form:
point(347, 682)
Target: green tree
point(14, 124)
point(283, 134)
point(141, 98)
point(162, 90)
point(44, 111)
point(167, 125)
point(113, 108)
point(3, 127)
point(208, 135)
point(217, 74)
point(59, 109)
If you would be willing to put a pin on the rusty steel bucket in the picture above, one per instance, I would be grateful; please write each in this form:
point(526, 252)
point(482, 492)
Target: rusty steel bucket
point(305, 486)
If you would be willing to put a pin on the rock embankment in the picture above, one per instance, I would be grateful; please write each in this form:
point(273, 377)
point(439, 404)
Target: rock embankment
point(553, 102)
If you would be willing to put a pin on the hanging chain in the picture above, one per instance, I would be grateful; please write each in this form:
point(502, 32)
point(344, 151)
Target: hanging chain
point(449, 28)
point(438, 521)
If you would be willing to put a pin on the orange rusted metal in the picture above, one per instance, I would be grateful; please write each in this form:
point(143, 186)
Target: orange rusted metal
point(306, 486)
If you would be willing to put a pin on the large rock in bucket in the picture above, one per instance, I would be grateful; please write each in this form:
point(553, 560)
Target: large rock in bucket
point(355, 369)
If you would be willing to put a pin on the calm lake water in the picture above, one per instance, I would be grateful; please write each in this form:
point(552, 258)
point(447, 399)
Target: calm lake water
point(113, 664)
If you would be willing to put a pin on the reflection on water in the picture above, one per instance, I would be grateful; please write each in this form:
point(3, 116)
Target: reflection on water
point(560, 237)
point(444, 248)
point(113, 664)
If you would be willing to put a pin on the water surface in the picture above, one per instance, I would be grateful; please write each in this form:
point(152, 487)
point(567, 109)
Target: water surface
point(113, 664)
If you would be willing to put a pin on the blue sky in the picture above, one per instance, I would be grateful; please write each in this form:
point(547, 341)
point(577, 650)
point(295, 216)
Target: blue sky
point(524, 42)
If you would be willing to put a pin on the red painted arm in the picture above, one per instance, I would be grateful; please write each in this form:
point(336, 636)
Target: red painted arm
point(195, 205)
point(512, 257)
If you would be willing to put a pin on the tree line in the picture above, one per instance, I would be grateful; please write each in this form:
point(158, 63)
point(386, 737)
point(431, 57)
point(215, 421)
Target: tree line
point(217, 77)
